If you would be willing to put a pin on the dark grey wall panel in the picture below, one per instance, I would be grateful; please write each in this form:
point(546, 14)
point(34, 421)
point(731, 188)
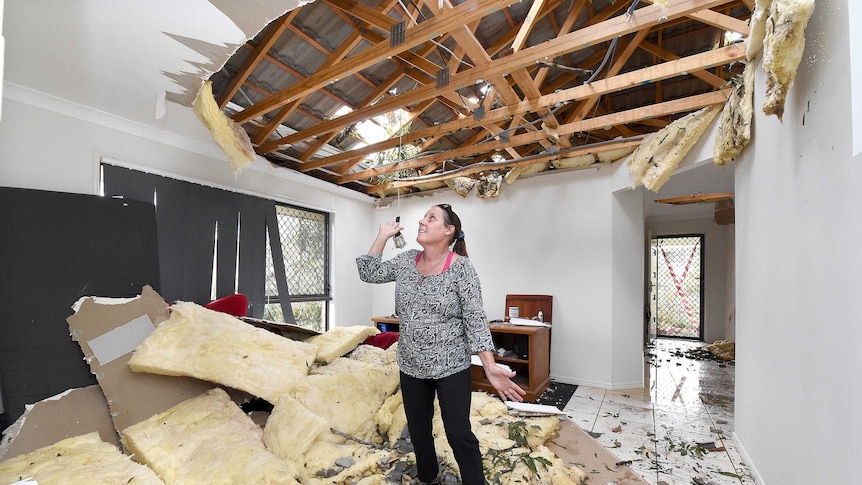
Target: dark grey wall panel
point(55, 248)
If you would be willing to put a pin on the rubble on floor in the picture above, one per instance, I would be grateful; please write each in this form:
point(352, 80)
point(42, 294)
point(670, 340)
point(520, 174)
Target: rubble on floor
point(338, 421)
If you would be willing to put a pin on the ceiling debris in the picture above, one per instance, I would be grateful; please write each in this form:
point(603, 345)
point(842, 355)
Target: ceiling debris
point(461, 185)
point(734, 125)
point(229, 136)
point(656, 159)
point(489, 186)
point(723, 349)
point(696, 198)
point(335, 418)
point(781, 24)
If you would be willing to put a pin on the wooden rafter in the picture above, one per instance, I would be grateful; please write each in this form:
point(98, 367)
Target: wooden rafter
point(645, 17)
point(647, 74)
point(445, 22)
point(690, 103)
point(534, 102)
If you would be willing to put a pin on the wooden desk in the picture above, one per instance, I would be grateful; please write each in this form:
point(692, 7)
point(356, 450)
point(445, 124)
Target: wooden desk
point(532, 364)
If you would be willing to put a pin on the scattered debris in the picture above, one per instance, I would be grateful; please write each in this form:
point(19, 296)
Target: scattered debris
point(723, 349)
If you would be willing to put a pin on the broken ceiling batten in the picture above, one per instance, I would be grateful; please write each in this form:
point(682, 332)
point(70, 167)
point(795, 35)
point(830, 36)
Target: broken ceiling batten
point(695, 198)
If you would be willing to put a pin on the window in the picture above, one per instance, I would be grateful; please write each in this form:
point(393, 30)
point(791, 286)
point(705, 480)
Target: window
point(304, 239)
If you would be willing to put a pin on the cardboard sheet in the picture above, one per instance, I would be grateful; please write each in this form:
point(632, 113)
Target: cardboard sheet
point(71, 413)
point(575, 447)
point(132, 396)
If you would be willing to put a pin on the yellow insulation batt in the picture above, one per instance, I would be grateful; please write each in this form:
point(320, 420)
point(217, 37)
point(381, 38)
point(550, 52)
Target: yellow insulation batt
point(783, 46)
point(291, 429)
point(84, 459)
point(658, 156)
point(461, 185)
point(340, 340)
point(217, 347)
point(206, 440)
point(229, 135)
point(734, 125)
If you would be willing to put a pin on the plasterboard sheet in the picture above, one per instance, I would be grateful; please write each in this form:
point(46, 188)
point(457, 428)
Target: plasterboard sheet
point(51, 420)
point(132, 396)
point(575, 447)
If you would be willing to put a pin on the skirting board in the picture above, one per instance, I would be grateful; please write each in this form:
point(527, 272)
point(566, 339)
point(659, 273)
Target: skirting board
point(601, 385)
point(747, 460)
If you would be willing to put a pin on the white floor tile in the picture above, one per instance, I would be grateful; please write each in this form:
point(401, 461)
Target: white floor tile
point(584, 405)
point(584, 420)
point(626, 441)
point(683, 425)
point(590, 392)
point(634, 398)
point(662, 433)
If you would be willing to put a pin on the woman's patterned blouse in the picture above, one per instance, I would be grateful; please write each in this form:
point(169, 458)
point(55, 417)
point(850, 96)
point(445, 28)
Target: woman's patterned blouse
point(442, 317)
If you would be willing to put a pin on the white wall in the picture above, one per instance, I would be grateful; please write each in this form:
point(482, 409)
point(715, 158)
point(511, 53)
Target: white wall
point(798, 268)
point(555, 235)
point(628, 289)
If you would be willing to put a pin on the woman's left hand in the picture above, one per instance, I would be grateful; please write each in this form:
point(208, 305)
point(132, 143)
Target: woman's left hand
point(501, 379)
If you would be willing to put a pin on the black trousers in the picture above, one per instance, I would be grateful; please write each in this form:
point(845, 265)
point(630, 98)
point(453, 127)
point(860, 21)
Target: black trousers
point(453, 393)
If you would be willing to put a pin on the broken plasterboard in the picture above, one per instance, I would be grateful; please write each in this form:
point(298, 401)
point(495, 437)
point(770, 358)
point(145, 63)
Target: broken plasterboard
point(107, 334)
point(68, 414)
point(574, 445)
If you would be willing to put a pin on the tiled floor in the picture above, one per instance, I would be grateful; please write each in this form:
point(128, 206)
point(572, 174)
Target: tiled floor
point(677, 429)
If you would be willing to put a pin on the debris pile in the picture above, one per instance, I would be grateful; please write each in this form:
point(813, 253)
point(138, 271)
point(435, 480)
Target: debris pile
point(723, 349)
point(337, 419)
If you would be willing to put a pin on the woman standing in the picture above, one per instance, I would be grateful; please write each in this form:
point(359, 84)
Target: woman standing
point(438, 299)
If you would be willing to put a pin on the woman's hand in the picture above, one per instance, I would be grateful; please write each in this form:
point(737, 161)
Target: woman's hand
point(389, 229)
point(501, 378)
point(384, 232)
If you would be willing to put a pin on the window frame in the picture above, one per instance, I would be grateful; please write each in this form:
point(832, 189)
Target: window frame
point(324, 298)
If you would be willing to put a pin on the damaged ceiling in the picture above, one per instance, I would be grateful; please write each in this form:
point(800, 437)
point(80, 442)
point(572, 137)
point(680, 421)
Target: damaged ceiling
point(485, 90)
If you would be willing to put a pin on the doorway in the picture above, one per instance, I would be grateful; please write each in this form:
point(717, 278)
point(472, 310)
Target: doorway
point(676, 287)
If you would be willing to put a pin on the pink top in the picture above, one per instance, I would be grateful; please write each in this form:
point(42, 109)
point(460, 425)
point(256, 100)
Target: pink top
point(445, 266)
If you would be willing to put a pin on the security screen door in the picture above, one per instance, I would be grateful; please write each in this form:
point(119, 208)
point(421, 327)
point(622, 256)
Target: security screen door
point(676, 286)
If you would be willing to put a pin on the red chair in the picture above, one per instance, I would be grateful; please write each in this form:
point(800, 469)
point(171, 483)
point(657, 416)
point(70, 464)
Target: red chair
point(236, 305)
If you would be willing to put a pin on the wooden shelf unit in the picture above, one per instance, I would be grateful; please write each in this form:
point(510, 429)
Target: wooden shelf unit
point(529, 306)
point(532, 365)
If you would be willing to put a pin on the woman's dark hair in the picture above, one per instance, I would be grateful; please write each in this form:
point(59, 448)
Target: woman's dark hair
point(452, 219)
